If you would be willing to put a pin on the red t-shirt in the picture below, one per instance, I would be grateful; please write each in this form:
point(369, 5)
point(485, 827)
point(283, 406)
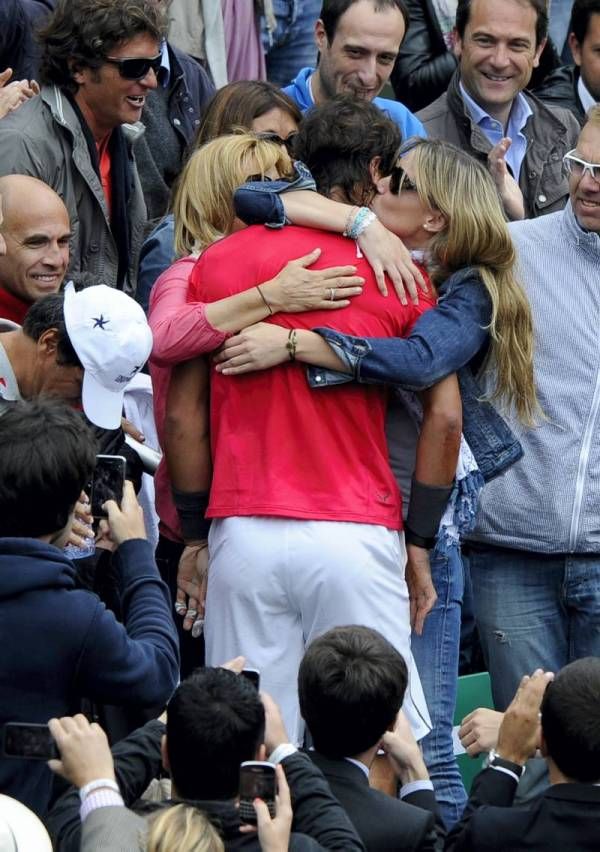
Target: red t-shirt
point(280, 448)
point(105, 163)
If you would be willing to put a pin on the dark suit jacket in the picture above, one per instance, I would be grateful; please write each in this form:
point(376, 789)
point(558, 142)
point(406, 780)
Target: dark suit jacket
point(382, 822)
point(566, 818)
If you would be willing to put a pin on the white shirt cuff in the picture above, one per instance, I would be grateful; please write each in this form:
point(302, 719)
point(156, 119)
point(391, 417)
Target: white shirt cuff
point(415, 787)
point(506, 771)
point(281, 752)
point(100, 799)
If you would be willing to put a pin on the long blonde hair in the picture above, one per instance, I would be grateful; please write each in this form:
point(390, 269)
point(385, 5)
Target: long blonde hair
point(203, 202)
point(460, 187)
point(184, 828)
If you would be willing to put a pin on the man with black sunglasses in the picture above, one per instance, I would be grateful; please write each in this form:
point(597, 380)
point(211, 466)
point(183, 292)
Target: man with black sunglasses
point(99, 64)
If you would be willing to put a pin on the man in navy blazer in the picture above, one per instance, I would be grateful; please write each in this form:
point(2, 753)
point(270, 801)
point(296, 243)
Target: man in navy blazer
point(351, 684)
point(567, 815)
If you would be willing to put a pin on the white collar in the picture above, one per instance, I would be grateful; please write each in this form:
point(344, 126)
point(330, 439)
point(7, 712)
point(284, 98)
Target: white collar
point(363, 767)
point(587, 101)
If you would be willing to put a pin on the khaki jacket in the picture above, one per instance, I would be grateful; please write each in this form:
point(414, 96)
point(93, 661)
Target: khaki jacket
point(550, 132)
point(43, 138)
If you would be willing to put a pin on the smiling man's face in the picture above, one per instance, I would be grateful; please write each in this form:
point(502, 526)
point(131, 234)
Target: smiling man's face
point(498, 53)
point(584, 190)
point(105, 98)
point(37, 233)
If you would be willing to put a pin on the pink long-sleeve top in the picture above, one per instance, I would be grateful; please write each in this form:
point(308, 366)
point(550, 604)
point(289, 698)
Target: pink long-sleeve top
point(181, 332)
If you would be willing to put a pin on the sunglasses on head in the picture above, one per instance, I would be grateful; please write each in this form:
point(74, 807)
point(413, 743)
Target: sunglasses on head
point(288, 143)
point(137, 67)
point(399, 181)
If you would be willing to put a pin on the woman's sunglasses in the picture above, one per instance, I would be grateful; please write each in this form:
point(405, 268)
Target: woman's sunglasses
point(137, 67)
point(399, 181)
point(288, 143)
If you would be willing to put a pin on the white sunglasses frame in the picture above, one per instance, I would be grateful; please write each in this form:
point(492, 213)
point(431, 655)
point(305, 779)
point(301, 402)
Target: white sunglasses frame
point(588, 168)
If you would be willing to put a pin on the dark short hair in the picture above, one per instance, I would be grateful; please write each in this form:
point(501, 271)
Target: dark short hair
point(571, 720)
point(215, 720)
point(463, 12)
point(82, 33)
point(48, 312)
point(581, 13)
point(351, 685)
point(332, 11)
point(47, 455)
point(338, 140)
point(236, 105)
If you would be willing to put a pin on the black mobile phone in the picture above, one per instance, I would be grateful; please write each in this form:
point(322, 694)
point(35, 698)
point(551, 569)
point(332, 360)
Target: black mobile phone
point(31, 741)
point(257, 780)
point(107, 482)
point(253, 675)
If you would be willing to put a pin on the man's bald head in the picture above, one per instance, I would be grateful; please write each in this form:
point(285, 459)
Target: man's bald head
point(36, 229)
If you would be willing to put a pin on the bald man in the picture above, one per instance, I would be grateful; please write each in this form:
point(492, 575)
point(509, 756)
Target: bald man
point(36, 229)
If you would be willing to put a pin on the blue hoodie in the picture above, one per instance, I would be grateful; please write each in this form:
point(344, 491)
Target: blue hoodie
point(59, 643)
point(409, 124)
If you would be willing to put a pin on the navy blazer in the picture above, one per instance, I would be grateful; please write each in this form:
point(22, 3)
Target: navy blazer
point(382, 822)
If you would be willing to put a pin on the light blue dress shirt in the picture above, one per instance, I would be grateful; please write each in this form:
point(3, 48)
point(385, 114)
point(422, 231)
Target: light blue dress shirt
point(494, 131)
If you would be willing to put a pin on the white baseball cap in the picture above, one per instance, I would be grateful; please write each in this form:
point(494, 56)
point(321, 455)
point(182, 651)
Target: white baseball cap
point(111, 336)
point(20, 828)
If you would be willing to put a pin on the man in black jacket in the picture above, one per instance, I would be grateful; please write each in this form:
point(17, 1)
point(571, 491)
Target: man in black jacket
point(577, 87)
point(567, 815)
point(171, 119)
point(351, 685)
point(215, 721)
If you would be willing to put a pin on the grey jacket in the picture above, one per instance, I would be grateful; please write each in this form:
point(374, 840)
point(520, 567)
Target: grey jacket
point(548, 501)
point(43, 138)
point(550, 133)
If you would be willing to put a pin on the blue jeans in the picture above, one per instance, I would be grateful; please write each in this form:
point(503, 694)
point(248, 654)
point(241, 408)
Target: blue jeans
point(558, 25)
point(436, 655)
point(533, 611)
point(292, 45)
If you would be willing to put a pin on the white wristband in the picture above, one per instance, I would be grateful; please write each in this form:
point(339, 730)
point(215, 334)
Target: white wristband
point(98, 784)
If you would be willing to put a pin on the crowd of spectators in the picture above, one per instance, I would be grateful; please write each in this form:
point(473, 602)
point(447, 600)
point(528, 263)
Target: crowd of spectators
point(315, 281)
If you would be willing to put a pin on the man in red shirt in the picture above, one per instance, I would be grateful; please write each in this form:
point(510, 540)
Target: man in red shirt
point(34, 224)
point(306, 508)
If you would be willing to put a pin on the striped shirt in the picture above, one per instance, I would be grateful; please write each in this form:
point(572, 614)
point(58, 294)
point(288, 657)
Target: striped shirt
point(549, 501)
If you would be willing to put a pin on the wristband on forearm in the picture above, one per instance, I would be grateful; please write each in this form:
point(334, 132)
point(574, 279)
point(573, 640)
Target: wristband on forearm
point(191, 508)
point(425, 509)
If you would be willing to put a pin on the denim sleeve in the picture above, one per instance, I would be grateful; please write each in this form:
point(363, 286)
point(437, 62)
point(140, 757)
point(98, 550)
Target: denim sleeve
point(258, 202)
point(442, 341)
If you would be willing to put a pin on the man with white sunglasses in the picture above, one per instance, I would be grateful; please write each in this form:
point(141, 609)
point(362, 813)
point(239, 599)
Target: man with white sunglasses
point(535, 553)
point(99, 63)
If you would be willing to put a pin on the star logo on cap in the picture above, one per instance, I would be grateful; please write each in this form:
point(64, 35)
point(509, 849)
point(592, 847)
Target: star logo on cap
point(100, 322)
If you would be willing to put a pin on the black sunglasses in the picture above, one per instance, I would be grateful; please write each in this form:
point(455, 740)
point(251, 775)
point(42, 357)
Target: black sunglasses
point(288, 143)
point(399, 180)
point(137, 67)
point(258, 179)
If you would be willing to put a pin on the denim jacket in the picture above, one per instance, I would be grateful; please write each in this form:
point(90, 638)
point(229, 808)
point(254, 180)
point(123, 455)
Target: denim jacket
point(448, 339)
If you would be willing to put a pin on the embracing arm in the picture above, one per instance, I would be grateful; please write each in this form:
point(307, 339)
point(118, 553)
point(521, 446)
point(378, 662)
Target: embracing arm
point(442, 341)
point(184, 330)
point(384, 251)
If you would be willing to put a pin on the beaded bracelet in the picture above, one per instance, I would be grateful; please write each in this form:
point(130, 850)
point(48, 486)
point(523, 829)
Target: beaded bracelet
point(361, 221)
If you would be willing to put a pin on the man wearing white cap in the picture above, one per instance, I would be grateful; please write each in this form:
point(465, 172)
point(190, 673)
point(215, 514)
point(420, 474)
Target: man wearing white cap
point(82, 348)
